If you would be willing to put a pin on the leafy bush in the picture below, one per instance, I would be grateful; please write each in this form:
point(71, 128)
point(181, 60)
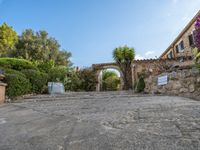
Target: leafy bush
point(11, 71)
point(37, 79)
point(72, 82)
point(111, 81)
point(16, 64)
point(140, 85)
point(88, 79)
point(17, 84)
point(45, 66)
point(57, 74)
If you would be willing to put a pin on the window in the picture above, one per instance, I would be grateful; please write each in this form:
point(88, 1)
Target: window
point(191, 40)
point(177, 49)
point(180, 47)
point(170, 55)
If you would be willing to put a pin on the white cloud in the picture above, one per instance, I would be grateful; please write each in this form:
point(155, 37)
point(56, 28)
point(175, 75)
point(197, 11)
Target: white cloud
point(139, 57)
point(149, 53)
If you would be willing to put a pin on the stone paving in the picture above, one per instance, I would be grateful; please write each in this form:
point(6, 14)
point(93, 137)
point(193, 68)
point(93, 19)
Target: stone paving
point(100, 121)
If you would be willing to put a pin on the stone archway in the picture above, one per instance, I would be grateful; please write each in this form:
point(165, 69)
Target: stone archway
point(100, 67)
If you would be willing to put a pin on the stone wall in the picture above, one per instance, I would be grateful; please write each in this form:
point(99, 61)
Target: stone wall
point(181, 81)
point(155, 66)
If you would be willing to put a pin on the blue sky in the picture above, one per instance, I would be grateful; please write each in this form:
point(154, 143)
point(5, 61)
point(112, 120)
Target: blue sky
point(91, 29)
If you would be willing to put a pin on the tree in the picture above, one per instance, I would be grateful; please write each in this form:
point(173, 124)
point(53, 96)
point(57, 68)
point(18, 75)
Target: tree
point(8, 39)
point(63, 58)
point(110, 81)
point(38, 46)
point(124, 57)
point(197, 40)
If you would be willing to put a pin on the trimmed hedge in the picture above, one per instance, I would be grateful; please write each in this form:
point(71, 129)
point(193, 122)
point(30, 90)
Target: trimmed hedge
point(16, 64)
point(37, 79)
point(17, 84)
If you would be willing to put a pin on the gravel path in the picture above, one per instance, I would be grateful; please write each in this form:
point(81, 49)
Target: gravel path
point(100, 121)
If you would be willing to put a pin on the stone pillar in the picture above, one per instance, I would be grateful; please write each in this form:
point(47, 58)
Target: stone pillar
point(133, 75)
point(98, 86)
point(2, 90)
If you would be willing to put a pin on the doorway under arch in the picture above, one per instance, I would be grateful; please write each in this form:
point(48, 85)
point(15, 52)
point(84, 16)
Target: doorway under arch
point(108, 67)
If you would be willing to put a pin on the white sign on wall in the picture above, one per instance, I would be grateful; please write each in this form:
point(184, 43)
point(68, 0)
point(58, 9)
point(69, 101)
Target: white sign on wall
point(162, 80)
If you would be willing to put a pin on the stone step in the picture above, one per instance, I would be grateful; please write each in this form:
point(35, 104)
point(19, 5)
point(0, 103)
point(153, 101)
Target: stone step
point(77, 96)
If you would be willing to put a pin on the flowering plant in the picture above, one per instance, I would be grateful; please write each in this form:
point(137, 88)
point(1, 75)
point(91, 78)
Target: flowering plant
point(197, 40)
point(197, 33)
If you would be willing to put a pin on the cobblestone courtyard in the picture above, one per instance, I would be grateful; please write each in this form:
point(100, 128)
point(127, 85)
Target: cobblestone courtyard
point(100, 121)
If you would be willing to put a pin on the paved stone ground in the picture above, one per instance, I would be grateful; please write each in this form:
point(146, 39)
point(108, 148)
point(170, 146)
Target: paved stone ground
point(100, 121)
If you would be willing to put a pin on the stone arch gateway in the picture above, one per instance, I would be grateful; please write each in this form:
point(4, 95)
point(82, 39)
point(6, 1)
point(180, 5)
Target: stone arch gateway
point(100, 67)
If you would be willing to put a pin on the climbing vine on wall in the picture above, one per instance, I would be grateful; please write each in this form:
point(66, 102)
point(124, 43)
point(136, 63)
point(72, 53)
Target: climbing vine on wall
point(197, 40)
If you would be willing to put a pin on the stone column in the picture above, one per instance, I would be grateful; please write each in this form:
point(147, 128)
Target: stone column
point(98, 86)
point(2, 90)
point(133, 75)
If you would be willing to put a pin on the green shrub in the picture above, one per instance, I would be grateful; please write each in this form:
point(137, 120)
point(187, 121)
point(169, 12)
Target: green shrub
point(111, 81)
point(17, 84)
point(82, 80)
point(11, 71)
point(37, 79)
point(72, 82)
point(140, 85)
point(88, 79)
point(57, 74)
point(16, 64)
point(45, 66)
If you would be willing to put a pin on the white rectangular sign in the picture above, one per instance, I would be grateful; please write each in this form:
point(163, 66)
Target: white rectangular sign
point(162, 80)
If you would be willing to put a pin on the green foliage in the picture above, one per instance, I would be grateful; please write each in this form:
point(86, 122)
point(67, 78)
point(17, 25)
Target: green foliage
point(45, 66)
point(37, 79)
point(82, 80)
point(39, 46)
point(108, 73)
point(16, 64)
point(11, 71)
point(140, 85)
point(58, 74)
point(72, 82)
point(196, 55)
point(8, 39)
point(110, 81)
point(17, 84)
point(63, 58)
point(124, 56)
point(88, 79)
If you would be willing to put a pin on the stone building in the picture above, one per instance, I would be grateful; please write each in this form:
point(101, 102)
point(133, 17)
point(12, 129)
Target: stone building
point(178, 54)
point(183, 45)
